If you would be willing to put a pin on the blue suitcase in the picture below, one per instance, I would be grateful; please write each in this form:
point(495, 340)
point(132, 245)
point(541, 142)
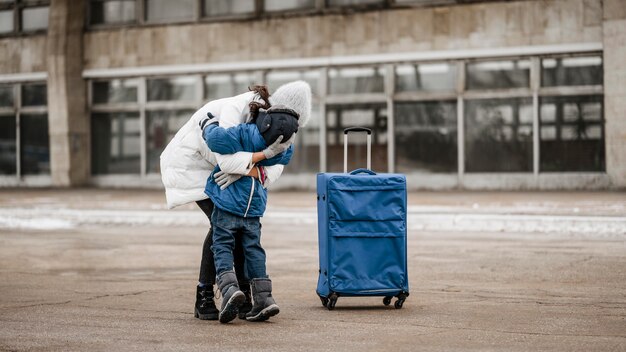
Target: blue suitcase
point(362, 233)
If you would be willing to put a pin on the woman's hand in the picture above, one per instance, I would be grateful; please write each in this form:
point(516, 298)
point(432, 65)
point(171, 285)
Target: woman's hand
point(277, 147)
point(224, 179)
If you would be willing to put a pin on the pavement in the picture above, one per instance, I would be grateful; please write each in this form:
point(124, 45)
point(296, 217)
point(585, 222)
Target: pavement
point(114, 270)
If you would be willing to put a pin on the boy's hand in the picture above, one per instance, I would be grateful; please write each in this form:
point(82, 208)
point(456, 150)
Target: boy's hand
point(224, 179)
point(208, 120)
point(277, 147)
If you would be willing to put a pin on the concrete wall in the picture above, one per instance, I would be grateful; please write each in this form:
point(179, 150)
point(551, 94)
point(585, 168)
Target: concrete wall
point(68, 120)
point(614, 28)
point(23, 55)
point(485, 25)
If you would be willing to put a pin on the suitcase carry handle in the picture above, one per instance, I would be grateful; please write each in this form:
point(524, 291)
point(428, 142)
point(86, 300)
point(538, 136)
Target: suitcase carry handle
point(362, 171)
point(345, 146)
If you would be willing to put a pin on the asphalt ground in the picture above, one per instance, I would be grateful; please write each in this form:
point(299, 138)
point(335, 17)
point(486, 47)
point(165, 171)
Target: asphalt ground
point(130, 286)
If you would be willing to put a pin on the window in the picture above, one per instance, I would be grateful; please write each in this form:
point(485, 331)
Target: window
point(115, 91)
point(426, 136)
point(218, 86)
point(115, 143)
point(8, 145)
point(498, 74)
point(281, 5)
point(25, 124)
point(498, 135)
point(572, 134)
point(6, 96)
point(426, 77)
point(571, 71)
point(353, 2)
point(176, 88)
point(35, 150)
point(228, 7)
point(373, 116)
point(355, 80)
point(162, 125)
point(170, 11)
point(6, 22)
point(112, 12)
point(33, 16)
point(34, 95)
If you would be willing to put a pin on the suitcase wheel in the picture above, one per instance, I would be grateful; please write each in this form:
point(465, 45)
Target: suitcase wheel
point(332, 300)
point(387, 300)
point(400, 301)
point(324, 301)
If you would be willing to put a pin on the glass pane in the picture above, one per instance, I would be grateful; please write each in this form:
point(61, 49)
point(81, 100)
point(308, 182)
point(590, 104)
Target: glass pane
point(275, 79)
point(426, 136)
point(34, 18)
point(227, 85)
point(34, 95)
point(168, 10)
point(115, 91)
point(306, 158)
point(572, 134)
point(227, 7)
point(498, 74)
point(176, 88)
point(282, 5)
point(572, 71)
point(352, 2)
point(357, 80)
point(6, 21)
point(6, 95)
point(115, 143)
point(35, 148)
point(112, 12)
point(498, 135)
point(162, 126)
point(426, 77)
point(371, 116)
point(8, 150)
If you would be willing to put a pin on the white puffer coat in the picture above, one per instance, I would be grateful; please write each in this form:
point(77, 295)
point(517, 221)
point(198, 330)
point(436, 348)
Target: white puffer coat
point(187, 162)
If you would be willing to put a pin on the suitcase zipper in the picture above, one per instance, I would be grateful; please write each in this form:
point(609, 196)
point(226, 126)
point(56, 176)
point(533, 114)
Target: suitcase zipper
point(250, 199)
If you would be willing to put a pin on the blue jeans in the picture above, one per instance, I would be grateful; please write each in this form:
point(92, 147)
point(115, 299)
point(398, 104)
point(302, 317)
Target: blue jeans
point(225, 226)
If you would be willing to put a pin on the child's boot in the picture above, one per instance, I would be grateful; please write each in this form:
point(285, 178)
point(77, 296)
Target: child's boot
point(232, 297)
point(205, 308)
point(247, 305)
point(264, 305)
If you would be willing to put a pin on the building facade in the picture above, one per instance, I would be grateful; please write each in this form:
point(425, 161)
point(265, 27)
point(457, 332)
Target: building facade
point(460, 94)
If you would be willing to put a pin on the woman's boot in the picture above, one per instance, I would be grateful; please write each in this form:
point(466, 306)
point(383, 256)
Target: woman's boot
point(205, 306)
point(264, 305)
point(232, 297)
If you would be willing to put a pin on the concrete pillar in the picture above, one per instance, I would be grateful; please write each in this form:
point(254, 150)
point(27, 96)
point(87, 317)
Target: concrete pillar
point(614, 34)
point(67, 112)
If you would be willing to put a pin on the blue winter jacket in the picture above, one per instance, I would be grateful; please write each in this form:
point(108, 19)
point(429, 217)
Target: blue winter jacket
point(245, 197)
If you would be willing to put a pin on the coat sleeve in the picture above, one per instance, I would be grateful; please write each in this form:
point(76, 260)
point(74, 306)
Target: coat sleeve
point(221, 140)
point(239, 162)
point(227, 148)
point(272, 173)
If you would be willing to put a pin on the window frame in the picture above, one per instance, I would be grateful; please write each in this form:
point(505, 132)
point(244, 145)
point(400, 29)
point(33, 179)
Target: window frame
point(17, 7)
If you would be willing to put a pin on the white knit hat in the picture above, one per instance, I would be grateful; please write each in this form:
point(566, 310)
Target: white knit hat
point(295, 95)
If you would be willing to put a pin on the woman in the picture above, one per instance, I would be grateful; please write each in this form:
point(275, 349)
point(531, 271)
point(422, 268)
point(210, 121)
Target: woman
point(187, 163)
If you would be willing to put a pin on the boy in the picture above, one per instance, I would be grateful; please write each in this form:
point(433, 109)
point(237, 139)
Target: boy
point(238, 209)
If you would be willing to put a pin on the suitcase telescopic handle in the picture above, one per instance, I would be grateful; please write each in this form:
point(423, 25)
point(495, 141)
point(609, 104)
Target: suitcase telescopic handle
point(345, 146)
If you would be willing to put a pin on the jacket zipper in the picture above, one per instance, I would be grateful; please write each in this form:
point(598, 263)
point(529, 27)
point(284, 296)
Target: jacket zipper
point(250, 199)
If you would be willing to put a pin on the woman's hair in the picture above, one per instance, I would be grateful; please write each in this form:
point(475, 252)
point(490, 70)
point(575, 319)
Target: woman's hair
point(264, 93)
